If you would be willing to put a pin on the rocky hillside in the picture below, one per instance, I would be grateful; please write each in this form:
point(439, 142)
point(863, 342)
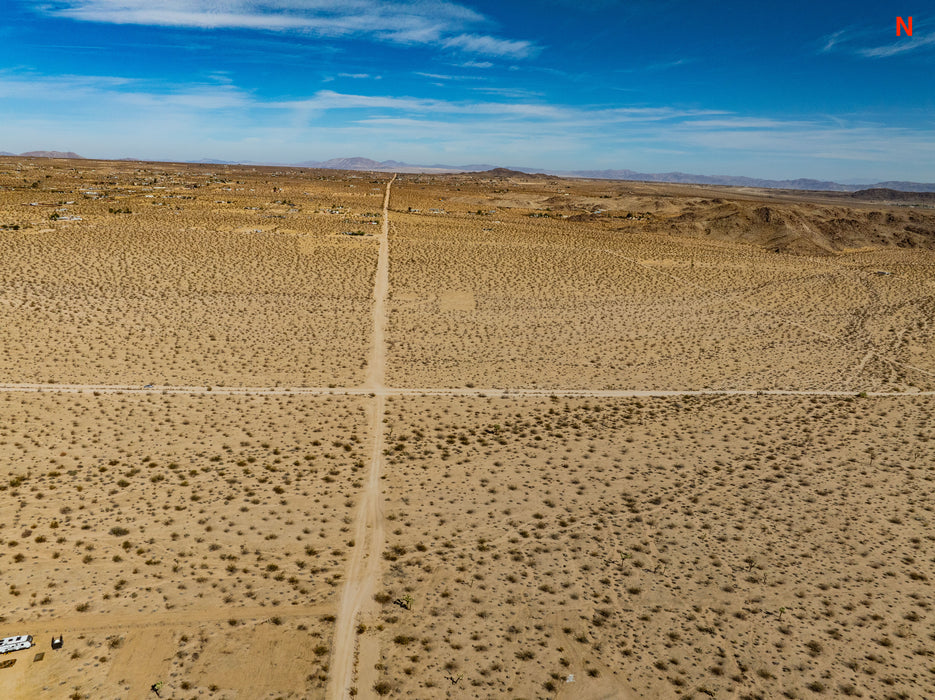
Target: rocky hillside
point(804, 228)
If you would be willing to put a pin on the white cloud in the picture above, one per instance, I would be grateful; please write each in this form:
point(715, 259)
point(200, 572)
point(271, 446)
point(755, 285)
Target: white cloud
point(104, 115)
point(59, 87)
point(491, 46)
point(508, 93)
point(104, 90)
point(442, 76)
point(653, 67)
point(812, 141)
point(564, 115)
point(429, 22)
point(93, 90)
point(748, 123)
point(854, 41)
point(910, 44)
point(832, 40)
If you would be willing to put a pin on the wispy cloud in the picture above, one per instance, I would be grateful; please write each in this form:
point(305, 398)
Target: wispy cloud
point(113, 90)
point(829, 140)
point(439, 23)
point(475, 43)
point(912, 44)
point(732, 122)
point(27, 86)
point(214, 118)
point(653, 67)
point(447, 76)
point(563, 115)
point(831, 40)
point(117, 92)
point(509, 93)
point(858, 41)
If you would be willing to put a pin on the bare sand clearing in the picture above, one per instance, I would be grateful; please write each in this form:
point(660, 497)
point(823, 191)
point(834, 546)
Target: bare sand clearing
point(461, 436)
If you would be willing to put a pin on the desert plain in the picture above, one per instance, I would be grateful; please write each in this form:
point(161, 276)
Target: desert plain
point(289, 433)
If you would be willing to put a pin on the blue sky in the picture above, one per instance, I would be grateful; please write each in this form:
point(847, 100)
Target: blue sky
point(779, 90)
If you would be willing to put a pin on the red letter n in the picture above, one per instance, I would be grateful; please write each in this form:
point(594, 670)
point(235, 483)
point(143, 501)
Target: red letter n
point(903, 27)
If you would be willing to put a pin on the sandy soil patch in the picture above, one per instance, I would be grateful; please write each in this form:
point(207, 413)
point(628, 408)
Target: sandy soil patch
point(456, 301)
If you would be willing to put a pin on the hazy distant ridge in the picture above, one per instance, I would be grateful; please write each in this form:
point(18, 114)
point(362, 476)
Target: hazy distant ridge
point(360, 163)
point(741, 181)
point(46, 154)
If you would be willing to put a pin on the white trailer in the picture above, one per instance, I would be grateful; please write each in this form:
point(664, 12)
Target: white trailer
point(8, 644)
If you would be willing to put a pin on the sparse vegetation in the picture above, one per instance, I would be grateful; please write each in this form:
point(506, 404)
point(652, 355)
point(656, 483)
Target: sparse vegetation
point(678, 545)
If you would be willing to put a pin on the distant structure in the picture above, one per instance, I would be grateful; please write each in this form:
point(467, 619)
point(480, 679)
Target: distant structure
point(17, 643)
point(58, 642)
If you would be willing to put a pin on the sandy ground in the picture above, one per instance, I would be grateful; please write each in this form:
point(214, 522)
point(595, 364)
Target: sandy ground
point(131, 522)
point(461, 436)
point(512, 299)
point(728, 547)
point(207, 281)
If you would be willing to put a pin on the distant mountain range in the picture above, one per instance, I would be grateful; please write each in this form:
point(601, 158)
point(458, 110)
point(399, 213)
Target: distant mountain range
point(43, 154)
point(366, 164)
point(675, 177)
point(389, 166)
point(740, 181)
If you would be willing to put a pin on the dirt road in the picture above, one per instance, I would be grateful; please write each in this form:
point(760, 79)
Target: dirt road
point(434, 391)
point(362, 576)
point(364, 566)
point(111, 622)
point(376, 366)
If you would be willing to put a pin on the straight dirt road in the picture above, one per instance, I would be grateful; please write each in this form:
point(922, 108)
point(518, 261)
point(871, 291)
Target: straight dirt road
point(376, 366)
point(363, 571)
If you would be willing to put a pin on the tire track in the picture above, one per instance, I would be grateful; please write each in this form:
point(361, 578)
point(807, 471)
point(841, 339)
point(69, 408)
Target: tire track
point(483, 392)
point(119, 621)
